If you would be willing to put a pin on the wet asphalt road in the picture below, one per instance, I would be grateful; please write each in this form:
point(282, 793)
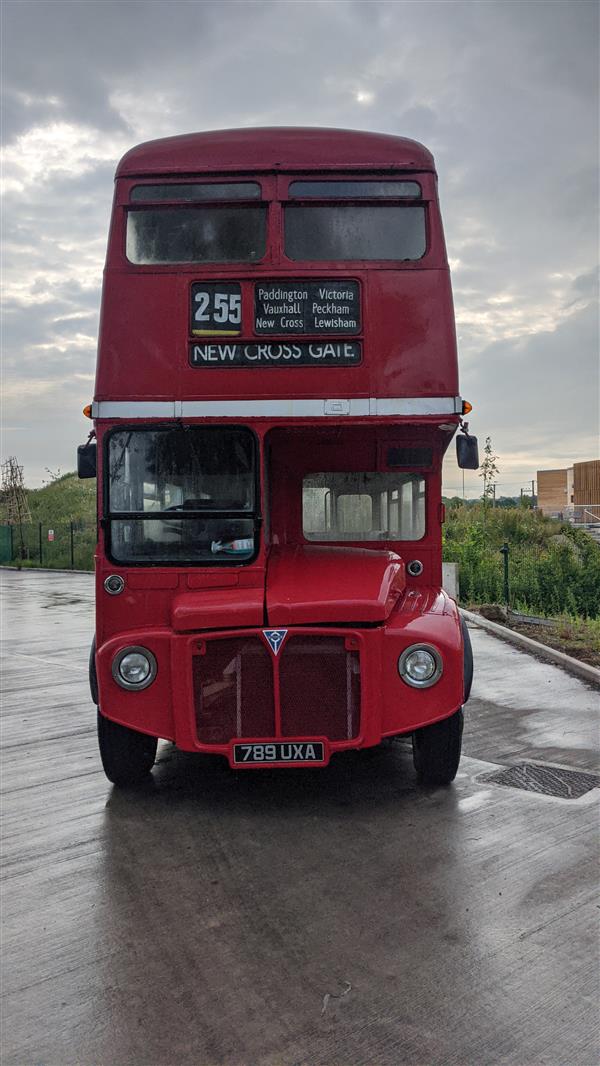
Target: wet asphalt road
point(329, 918)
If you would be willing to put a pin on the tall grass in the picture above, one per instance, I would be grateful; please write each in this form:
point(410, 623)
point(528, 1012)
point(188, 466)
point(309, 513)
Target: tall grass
point(553, 568)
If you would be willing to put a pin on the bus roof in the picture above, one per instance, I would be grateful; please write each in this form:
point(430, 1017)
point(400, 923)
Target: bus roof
point(299, 148)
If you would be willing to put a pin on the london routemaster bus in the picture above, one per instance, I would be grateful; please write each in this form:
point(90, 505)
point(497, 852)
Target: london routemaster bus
point(276, 388)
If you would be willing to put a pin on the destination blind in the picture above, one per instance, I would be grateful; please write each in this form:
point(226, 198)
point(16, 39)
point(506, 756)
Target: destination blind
point(215, 355)
point(313, 307)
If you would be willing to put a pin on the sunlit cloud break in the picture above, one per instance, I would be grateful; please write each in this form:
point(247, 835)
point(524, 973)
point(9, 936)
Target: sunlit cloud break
point(59, 150)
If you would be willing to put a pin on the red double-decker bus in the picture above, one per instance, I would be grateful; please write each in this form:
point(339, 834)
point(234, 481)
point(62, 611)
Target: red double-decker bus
point(276, 388)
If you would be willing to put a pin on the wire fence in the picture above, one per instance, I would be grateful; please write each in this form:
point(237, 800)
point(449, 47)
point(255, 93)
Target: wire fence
point(60, 545)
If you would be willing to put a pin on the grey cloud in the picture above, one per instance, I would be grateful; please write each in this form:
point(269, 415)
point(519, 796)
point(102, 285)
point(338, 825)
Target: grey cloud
point(505, 95)
point(59, 427)
point(552, 374)
point(586, 286)
point(75, 50)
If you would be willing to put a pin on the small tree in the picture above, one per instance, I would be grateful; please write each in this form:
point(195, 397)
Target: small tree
point(489, 472)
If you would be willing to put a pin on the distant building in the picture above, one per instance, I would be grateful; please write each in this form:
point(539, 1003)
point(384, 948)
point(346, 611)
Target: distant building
point(573, 492)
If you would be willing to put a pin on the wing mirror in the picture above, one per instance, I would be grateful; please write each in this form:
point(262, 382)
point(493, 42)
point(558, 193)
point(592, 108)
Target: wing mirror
point(467, 452)
point(86, 460)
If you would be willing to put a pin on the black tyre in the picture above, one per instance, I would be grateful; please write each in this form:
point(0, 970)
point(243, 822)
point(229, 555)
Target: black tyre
point(127, 756)
point(436, 750)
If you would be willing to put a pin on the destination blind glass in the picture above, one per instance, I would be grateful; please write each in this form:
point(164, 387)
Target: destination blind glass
point(221, 356)
point(281, 307)
point(301, 306)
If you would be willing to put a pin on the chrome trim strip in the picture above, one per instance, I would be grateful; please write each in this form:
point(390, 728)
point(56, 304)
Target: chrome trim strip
point(133, 409)
point(280, 408)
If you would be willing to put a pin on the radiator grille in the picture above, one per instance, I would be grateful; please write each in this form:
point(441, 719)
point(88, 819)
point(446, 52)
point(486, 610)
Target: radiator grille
point(234, 688)
point(319, 688)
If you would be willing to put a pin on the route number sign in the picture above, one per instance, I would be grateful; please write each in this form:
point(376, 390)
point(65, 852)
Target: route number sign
point(216, 308)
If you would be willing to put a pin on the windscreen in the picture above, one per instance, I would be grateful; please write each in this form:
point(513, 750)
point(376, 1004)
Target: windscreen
point(197, 234)
point(354, 231)
point(195, 484)
point(363, 506)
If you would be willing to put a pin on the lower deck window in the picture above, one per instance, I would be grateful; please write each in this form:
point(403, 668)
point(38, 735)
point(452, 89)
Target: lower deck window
point(363, 506)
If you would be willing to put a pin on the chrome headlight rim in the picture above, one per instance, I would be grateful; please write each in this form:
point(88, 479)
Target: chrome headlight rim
point(428, 682)
point(134, 686)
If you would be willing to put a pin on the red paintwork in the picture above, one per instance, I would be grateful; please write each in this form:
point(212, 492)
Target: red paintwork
point(408, 338)
point(388, 706)
point(408, 326)
point(309, 584)
point(274, 148)
point(361, 592)
point(223, 608)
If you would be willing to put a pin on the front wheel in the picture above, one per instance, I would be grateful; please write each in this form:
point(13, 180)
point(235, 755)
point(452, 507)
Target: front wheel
point(127, 756)
point(436, 750)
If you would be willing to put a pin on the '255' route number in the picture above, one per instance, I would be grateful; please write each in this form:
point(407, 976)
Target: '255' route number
point(216, 308)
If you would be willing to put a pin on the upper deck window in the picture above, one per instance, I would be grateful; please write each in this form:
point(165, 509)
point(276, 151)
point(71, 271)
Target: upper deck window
point(192, 193)
point(219, 234)
point(354, 190)
point(354, 231)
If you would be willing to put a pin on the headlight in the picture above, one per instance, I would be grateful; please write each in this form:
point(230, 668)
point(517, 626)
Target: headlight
point(134, 668)
point(420, 665)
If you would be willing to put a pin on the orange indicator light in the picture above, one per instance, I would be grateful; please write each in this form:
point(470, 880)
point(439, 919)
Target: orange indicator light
point(467, 407)
point(87, 410)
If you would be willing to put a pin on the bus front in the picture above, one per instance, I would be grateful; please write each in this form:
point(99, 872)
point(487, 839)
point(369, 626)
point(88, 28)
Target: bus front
point(276, 388)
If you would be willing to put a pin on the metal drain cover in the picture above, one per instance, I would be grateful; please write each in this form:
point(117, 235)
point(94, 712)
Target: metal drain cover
point(549, 780)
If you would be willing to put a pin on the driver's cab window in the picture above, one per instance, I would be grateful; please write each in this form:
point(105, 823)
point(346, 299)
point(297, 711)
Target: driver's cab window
point(198, 483)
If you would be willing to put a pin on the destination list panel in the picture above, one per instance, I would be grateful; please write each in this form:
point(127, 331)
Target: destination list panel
point(313, 307)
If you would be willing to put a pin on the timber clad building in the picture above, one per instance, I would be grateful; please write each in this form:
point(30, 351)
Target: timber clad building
point(573, 491)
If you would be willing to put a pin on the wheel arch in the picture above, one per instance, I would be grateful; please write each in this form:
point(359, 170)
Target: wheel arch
point(93, 677)
point(467, 658)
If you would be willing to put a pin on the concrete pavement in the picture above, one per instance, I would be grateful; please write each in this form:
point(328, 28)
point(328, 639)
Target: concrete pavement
point(282, 918)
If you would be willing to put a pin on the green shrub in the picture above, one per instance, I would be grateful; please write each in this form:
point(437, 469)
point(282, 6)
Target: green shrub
point(548, 574)
point(63, 501)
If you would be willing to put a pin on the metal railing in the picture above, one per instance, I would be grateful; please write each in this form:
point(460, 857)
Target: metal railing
point(586, 513)
point(53, 545)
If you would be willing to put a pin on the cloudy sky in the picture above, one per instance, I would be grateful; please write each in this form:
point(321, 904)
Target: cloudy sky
point(504, 93)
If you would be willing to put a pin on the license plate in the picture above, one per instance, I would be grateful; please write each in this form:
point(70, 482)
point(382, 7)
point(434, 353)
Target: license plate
point(280, 751)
